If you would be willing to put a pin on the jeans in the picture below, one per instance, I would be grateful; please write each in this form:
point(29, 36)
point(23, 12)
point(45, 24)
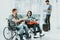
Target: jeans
point(21, 27)
point(26, 30)
point(34, 28)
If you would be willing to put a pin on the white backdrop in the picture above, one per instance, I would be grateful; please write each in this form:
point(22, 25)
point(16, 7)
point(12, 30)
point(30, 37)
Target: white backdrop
point(7, 5)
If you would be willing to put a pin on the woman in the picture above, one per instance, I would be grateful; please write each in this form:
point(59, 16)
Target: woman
point(31, 18)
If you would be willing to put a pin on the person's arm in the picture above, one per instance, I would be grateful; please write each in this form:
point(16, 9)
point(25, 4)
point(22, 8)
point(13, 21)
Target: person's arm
point(50, 8)
point(17, 20)
point(33, 19)
point(22, 19)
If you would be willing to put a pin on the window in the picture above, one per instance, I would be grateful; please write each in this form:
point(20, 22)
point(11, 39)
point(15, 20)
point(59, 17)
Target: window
point(25, 5)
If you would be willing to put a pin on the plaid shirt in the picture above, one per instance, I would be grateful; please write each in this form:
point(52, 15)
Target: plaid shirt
point(16, 17)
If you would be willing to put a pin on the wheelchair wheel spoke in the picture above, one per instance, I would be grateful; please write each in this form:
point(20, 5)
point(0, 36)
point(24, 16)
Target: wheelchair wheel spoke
point(6, 33)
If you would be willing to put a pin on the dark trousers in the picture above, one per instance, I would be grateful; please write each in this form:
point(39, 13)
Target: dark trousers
point(47, 20)
point(38, 27)
point(34, 28)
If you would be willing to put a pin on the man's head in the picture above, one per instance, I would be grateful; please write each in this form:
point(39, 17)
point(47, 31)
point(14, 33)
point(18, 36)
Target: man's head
point(47, 2)
point(29, 13)
point(14, 11)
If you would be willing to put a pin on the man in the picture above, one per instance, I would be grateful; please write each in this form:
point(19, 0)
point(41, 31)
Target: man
point(31, 18)
point(18, 19)
point(48, 12)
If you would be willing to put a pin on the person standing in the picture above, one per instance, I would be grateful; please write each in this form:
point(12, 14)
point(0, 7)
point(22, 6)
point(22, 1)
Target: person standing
point(48, 11)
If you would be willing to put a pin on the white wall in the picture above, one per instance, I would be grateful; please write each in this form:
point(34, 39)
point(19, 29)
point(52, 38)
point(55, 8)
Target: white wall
point(7, 5)
point(5, 10)
point(24, 6)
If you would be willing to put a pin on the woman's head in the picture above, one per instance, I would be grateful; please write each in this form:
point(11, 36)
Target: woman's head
point(29, 13)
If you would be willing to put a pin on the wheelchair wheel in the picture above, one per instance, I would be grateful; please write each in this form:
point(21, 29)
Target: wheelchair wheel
point(7, 33)
point(17, 37)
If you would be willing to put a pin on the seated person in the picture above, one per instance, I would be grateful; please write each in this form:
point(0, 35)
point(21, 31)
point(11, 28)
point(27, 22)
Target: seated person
point(31, 18)
point(18, 19)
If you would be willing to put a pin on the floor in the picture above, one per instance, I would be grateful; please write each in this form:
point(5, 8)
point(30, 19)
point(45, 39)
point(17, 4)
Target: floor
point(50, 35)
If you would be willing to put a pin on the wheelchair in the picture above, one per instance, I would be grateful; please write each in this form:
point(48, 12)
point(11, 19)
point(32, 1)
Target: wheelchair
point(11, 32)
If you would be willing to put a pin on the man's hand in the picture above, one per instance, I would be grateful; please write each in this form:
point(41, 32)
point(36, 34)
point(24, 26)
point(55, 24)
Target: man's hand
point(50, 10)
point(25, 18)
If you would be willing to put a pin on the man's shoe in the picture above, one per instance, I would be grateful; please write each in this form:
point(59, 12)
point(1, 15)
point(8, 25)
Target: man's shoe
point(29, 36)
point(16, 39)
point(21, 39)
point(35, 36)
point(42, 35)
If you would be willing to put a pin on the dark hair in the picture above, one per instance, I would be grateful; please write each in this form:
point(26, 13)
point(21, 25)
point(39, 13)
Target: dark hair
point(30, 13)
point(14, 10)
point(47, 1)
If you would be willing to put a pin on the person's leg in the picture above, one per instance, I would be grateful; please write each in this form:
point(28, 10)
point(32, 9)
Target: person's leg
point(21, 36)
point(26, 30)
point(34, 28)
point(39, 29)
point(20, 31)
point(49, 21)
point(46, 19)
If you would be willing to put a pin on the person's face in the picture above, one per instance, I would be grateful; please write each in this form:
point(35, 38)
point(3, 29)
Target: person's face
point(15, 12)
point(47, 3)
point(29, 13)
